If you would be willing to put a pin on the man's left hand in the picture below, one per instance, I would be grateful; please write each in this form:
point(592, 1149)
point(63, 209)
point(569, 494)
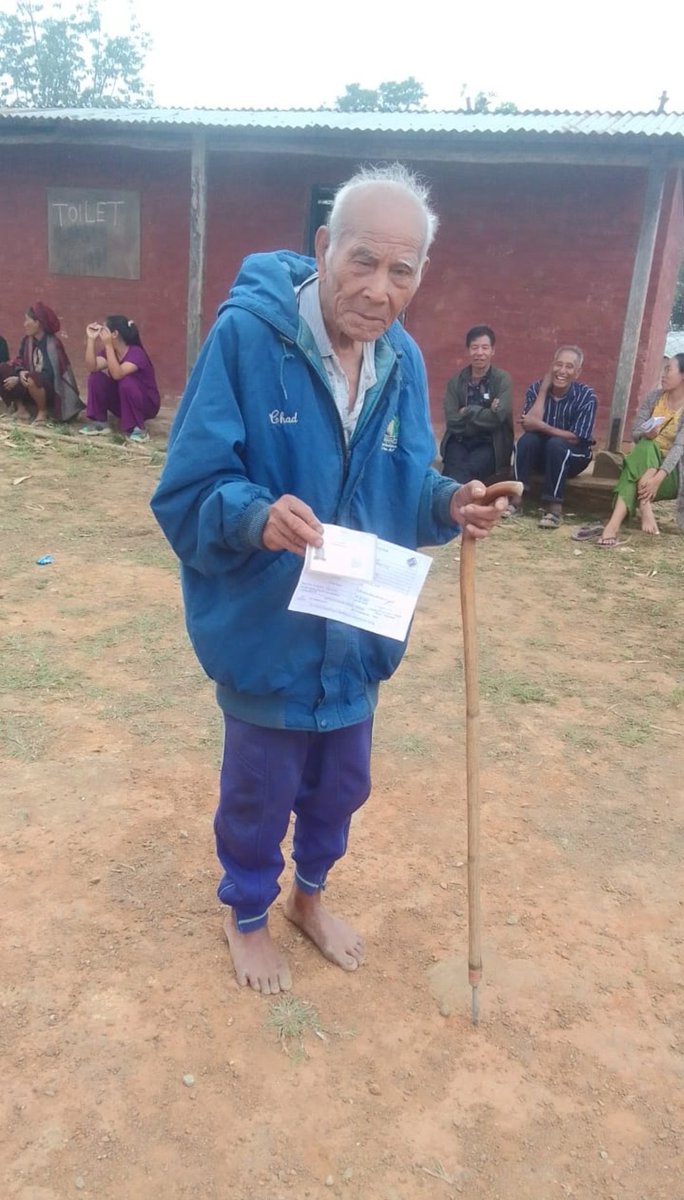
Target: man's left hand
point(475, 519)
point(530, 422)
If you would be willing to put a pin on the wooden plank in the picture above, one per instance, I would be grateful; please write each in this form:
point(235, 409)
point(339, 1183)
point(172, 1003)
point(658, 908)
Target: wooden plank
point(198, 237)
point(636, 302)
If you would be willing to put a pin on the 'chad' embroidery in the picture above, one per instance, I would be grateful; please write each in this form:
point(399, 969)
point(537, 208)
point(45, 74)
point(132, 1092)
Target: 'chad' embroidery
point(278, 417)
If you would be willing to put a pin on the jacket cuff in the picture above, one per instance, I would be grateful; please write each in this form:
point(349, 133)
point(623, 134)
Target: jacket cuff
point(250, 527)
point(441, 512)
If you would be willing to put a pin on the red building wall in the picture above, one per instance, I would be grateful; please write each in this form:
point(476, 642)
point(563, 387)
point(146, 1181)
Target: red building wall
point(157, 301)
point(543, 253)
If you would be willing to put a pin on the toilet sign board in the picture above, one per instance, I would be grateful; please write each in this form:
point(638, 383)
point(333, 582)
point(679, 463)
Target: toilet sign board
point(94, 231)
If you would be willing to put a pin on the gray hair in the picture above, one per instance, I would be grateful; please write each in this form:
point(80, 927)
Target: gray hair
point(579, 354)
point(394, 175)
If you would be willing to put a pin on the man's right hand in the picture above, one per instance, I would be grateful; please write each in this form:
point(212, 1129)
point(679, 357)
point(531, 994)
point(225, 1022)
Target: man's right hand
point(546, 383)
point(291, 525)
point(11, 382)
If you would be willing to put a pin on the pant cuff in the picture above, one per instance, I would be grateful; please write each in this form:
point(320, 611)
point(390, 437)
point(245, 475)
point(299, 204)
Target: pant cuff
point(310, 882)
point(247, 922)
point(246, 919)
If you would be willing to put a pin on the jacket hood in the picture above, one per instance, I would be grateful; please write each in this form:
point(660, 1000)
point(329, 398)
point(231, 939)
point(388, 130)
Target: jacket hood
point(265, 286)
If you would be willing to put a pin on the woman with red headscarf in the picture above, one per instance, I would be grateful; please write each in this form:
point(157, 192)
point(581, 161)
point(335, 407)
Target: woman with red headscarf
point(41, 379)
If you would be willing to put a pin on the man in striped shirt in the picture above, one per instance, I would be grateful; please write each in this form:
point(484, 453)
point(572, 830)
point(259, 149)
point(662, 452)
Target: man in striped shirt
point(558, 422)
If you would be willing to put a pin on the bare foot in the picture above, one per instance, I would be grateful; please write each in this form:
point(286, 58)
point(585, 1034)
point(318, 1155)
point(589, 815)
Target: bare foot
point(648, 521)
point(257, 962)
point(334, 938)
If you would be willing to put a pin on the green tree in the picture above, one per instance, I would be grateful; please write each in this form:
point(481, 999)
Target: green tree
point(485, 102)
point(357, 99)
point(392, 96)
point(50, 59)
point(677, 318)
point(408, 95)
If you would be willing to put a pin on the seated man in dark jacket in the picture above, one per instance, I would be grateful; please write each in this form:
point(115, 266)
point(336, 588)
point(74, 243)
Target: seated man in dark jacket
point(479, 426)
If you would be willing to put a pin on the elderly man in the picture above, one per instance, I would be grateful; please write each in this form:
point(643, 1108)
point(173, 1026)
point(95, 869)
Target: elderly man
point(478, 440)
point(308, 404)
point(558, 422)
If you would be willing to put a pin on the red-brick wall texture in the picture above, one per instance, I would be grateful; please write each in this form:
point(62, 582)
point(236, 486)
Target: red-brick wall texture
point(543, 253)
point(157, 301)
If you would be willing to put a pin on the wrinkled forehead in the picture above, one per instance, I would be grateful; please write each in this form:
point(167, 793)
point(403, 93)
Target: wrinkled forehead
point(567, 358)
point(384, 214)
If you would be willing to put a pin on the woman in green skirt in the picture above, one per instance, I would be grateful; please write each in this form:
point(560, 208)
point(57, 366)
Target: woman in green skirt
point(653, 469)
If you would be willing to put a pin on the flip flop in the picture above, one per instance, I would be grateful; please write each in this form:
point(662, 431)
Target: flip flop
point(586, 532)
point(513, 510)
point(612, 543)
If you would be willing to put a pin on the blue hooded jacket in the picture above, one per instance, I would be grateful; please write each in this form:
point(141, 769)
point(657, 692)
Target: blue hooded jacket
point(258, 421)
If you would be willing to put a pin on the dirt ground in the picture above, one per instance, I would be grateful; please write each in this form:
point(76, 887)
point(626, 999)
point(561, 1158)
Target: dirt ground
point(134, 1068)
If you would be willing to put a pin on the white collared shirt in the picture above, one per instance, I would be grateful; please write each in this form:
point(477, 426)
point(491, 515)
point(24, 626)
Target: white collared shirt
point(310, 311)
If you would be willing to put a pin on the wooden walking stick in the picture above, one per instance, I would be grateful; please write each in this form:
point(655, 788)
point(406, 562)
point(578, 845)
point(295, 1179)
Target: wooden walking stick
point(472, 692)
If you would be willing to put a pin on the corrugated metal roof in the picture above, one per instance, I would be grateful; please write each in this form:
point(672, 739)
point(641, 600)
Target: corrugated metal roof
point(557, 124)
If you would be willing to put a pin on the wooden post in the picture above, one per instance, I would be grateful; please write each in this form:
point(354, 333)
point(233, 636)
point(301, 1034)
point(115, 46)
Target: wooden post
point(636, 303)
point(198, 235)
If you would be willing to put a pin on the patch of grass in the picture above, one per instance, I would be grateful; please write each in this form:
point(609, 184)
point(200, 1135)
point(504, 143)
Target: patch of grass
point(411, 743)
point(437, 1170)
point(672, 567)
point(128, 707)
point(543, 641)
point(22, 442)
point(581, 738)
point(32, 666)
point(291, 1019)
point(677, 697)
point(145, 627)
point(77, 610)
point(504, 687)
point(157, 555)
point(22, 736)
point(632, 732)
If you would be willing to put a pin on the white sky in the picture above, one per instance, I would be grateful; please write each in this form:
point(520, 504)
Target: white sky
point(591, 54)
point(258, 53)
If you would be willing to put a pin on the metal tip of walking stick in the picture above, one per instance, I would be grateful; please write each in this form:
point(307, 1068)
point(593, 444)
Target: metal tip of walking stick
point(475, 1005)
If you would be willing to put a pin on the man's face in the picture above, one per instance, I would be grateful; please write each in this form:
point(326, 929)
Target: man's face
point(564, 369)
point(373, 270)
point(481, 354)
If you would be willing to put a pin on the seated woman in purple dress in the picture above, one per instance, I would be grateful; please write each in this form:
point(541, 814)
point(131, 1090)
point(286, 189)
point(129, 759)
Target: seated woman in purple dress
point(121, 379)
point(39, 383)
